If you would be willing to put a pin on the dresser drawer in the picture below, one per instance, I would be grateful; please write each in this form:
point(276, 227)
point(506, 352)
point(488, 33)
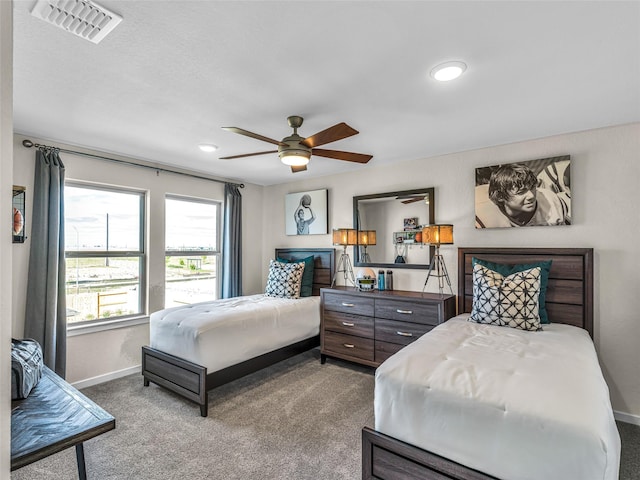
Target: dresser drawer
point(348, 345)
point(353, 304)
point(384, 350)
point(408, 312)
point(402, 333)
point(348, 324)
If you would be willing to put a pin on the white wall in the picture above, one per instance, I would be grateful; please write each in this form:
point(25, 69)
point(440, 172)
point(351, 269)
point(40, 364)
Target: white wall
point(104, 353)
point(604, 175)
point(6, 176)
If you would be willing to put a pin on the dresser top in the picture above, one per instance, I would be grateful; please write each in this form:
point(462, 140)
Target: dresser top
point(390, 294)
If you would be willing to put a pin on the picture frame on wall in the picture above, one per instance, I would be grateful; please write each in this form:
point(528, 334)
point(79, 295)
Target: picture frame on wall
point(524, 194)
point(306, 213)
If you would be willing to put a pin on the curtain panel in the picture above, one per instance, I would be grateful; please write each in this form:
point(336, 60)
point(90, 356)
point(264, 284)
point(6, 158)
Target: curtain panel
point(46, 312)
point(232, 243)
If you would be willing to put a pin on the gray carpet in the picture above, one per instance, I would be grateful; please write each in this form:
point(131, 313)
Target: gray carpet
point(295, 420)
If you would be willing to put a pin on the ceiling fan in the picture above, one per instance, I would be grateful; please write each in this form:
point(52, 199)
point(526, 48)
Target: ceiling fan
point(414, 198)
point(296, 151)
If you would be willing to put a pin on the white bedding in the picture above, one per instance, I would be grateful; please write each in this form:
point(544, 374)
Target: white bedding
point(224, 332)
point(513, 404)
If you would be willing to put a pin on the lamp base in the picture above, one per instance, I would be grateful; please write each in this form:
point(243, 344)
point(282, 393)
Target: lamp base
point(344, 266)
point(440, 272)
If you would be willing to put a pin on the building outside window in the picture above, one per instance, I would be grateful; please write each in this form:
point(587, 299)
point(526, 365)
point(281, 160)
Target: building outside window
point(192, 249)
point(105, 255)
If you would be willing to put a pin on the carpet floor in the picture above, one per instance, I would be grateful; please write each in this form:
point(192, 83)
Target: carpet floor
point(295, 420)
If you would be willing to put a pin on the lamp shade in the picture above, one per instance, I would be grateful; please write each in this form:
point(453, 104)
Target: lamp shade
point(345, 236)
point(438, 234)
point(366, 237)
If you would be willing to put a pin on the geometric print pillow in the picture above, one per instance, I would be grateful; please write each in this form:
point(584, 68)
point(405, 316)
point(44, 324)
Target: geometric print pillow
point(511, 301)
point(284, 279)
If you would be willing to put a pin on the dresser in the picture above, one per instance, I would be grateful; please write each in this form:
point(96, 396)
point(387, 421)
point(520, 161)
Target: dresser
point(369, 327)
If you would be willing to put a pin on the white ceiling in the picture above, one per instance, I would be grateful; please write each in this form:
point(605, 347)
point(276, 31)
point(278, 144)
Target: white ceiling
point(174, 72)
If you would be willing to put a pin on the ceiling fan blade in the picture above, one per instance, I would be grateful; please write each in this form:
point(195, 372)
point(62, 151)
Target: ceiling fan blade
point(247, 133)
point(331, 134)
point(299, 168)
point(247, 155)
point(412, 200)
point(339, 155)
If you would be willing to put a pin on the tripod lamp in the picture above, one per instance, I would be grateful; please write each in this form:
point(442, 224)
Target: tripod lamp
point(345, 237)
point(366, 238)
point(438, 235)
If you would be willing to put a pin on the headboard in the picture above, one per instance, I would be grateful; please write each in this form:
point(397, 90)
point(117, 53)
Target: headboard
point(570, 289)
point(324, 264)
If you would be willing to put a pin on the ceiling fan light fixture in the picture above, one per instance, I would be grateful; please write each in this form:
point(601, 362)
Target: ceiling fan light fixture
point(448, 71)
point(295, 158)
point(208, 147)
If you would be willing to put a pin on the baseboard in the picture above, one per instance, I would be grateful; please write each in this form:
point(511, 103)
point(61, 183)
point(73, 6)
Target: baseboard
point(627, 418)
point(89, 382)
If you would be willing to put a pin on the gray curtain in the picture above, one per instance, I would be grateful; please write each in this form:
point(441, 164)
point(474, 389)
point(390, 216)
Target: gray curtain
point(232, 242)
point(46, 313)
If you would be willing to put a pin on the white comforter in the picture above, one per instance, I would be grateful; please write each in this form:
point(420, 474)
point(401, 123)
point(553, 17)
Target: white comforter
point(224, 332)
point(516, 405)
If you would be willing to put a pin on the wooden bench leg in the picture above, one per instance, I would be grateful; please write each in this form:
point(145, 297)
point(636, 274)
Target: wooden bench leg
point(82, 470)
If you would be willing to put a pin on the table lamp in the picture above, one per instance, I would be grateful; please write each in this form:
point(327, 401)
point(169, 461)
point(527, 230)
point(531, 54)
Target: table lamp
point(345, 237)
point(437, 235)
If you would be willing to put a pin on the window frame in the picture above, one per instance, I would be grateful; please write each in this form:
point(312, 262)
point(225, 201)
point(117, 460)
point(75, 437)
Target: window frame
point(141, 254)
point(217, 252)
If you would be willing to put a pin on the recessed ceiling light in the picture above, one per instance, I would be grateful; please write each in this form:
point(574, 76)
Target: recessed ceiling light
point(208, 147)
point(448, 71)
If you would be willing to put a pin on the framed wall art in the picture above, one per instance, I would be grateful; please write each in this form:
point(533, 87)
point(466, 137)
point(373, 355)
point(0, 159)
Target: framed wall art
point(18, 203)
point(306, 213)
point(524, 194)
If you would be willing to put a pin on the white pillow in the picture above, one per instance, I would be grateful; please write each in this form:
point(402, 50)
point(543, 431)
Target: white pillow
point(511, 301)
point(284, 279)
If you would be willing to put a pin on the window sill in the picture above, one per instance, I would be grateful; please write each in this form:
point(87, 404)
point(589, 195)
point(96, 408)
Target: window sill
point(73, 330)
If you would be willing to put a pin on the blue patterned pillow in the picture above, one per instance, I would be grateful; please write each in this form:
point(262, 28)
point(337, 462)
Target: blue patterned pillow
point(284, 279)
point(511, 301)
point(306, 288)
point(508, 269)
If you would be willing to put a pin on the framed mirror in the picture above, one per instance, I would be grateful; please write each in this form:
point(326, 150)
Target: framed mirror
point(390, 226)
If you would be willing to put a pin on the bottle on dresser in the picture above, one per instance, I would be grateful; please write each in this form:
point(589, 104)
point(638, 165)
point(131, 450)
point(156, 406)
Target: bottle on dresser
point(381, 285)
point(389, 280)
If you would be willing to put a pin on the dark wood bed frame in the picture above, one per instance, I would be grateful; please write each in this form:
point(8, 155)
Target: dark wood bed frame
point(192, 381)
point(569, 300)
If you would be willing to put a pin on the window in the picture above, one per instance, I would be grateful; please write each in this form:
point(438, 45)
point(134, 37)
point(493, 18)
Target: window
point(192, 249)
point(104, 251)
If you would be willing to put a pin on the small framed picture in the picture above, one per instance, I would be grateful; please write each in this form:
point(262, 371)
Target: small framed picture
point(410, 223)
point(399, 239)
point(306, 213)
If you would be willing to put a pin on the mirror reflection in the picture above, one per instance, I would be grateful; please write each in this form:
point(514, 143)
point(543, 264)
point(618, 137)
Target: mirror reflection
point(390, 228)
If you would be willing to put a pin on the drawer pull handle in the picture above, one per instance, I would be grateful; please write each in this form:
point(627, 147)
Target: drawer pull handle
point(345, 304)
point(406, 312)
point(348, 324)
point(404, 334)
point(349, 345)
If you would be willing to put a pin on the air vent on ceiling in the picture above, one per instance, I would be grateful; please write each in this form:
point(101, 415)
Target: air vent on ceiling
point(80, 17)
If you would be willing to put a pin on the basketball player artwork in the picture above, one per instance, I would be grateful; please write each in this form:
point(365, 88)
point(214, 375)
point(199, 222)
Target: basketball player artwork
point(524, 194)
point(306, 213)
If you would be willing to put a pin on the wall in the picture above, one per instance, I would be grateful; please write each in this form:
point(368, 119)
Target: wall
point(604, 174)
point(93, 357)
point(6, 176)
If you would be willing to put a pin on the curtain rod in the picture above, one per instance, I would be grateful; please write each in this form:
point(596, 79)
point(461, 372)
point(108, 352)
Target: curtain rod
point(29, 144)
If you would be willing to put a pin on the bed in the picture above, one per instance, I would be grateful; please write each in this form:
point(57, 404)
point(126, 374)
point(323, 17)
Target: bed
point(188, 357)
point(476, 401)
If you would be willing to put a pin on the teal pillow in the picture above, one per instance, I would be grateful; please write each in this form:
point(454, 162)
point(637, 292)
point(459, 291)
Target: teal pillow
point(306, 288)
point(506, 269)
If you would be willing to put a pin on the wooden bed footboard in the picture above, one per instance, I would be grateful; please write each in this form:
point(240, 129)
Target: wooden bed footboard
point(192, 381)
point(386, 458)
